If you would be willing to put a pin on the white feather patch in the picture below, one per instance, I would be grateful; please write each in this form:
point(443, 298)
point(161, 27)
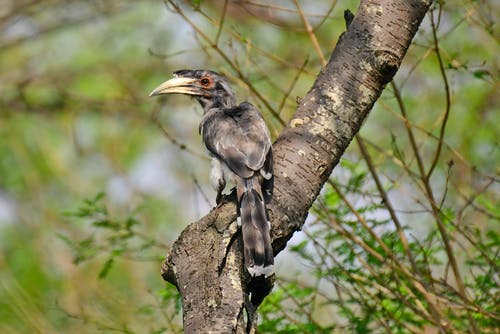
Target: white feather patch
point(216, 173)
point(261, 270)
point(267, 176)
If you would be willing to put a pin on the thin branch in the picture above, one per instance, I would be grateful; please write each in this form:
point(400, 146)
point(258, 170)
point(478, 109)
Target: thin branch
point(431, 298)
point(224, 56)
point(387, 202)
point(326, 16)
point(447, 94)
point(172, 139)
point(310, 32)
point(435, 210)
point(261, 51)
point(281, 8)
point(385, 291)
point(221, 22)
point(292, 85)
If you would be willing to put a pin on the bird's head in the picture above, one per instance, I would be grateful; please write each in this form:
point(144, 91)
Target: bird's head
point(208, 87)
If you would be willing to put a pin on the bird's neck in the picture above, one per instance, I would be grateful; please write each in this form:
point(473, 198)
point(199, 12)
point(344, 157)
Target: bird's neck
point(218, 103)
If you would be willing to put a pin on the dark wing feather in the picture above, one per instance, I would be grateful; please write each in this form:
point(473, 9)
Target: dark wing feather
point(238, 136)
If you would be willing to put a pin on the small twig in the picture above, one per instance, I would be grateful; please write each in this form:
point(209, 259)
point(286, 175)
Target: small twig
point(386, 291)
point(326, 16)
point(469, 201)
point(172, 139)
point(292, 85)
point(435, 210)
point(200, 190)
point(221, 23)
point(170, 55)
point(387, 202)
point(300, 306)
point(447, 94)
point(310, 32)
point(225, 57)
point(401, 116)
point(263, 52)
point(446, 184)
point(280, 8)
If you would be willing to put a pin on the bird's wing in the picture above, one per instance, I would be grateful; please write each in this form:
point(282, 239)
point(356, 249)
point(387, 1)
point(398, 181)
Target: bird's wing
point(239, 137)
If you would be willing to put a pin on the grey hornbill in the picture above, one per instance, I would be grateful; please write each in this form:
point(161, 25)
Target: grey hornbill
point(240, 146)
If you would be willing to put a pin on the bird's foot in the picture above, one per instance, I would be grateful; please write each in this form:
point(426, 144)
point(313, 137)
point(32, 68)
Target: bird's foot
point(225, 198)
point(218, 199)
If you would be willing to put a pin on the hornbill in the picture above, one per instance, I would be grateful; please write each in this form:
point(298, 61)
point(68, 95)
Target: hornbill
point(239, 144)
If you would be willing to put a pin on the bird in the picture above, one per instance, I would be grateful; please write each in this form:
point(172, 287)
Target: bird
point(239, 144)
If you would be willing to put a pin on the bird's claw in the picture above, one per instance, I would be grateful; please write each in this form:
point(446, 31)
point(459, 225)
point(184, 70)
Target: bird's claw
point(219, 197)
point(223, 198)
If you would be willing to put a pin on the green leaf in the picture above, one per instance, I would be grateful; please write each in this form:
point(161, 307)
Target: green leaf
point(106, 268)
point(396, 151)
point(107, 224)
point(69, 242)
point(130, 222)
point(481, 74)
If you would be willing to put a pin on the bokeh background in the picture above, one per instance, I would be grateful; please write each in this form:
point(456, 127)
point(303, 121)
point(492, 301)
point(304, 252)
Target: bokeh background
point(96, 178)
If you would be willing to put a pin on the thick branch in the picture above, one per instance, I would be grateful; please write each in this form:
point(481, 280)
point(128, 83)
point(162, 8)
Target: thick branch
point(205, 262)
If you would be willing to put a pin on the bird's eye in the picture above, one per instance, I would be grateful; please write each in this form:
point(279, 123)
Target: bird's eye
point(205, 82)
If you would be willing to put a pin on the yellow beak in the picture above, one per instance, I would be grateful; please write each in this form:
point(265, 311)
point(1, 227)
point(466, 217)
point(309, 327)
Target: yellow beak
point(177, 85)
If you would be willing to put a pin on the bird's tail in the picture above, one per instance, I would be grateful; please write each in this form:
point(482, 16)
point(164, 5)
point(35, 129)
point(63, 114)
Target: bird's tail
point(255, 227)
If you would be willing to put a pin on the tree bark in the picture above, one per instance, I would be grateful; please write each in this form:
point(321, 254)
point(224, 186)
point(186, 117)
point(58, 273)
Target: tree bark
point(205, 263)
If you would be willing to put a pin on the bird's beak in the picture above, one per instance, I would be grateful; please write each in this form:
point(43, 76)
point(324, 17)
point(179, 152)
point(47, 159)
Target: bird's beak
point(177, 85)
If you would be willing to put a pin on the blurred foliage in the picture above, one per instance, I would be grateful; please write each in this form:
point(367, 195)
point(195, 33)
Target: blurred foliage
point(357, 285)
point(96, 179)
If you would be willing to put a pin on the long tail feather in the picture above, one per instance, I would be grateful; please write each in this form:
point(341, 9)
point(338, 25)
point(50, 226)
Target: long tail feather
point(255, 228)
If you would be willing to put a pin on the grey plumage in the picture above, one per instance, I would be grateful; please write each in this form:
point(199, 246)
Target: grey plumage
point(239, 142)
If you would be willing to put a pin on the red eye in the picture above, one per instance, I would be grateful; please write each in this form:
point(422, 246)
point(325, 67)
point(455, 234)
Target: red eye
point(205, 82)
